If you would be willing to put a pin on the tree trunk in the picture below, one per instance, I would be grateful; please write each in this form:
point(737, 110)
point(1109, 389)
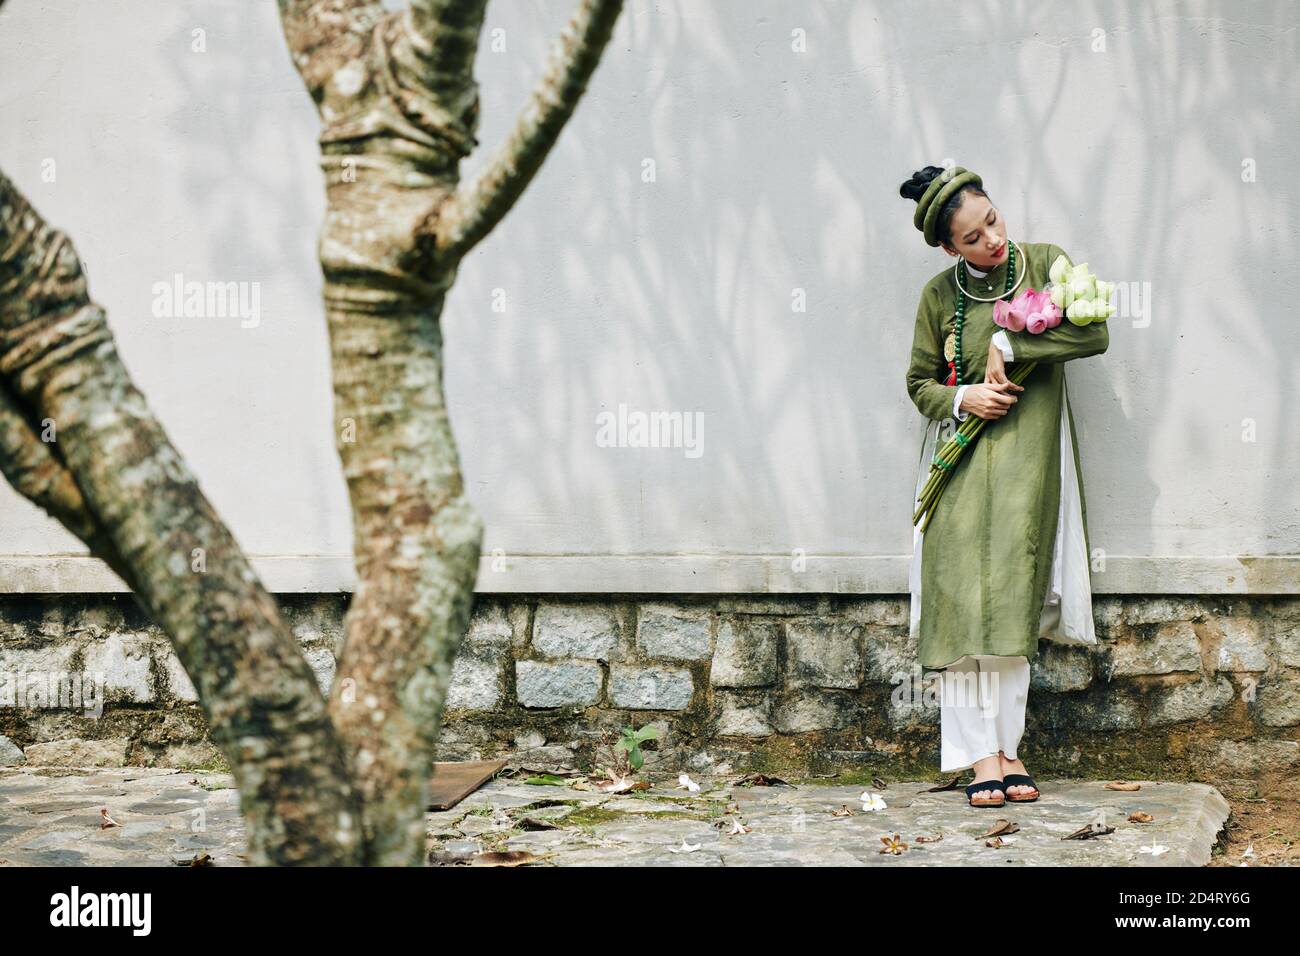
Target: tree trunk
point(399, 111)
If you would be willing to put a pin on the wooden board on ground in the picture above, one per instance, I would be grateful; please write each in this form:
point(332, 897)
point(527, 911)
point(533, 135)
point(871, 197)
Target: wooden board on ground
point(454, 780)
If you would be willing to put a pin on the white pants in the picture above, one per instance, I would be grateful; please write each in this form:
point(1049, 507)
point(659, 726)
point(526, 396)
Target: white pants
point(981, 709)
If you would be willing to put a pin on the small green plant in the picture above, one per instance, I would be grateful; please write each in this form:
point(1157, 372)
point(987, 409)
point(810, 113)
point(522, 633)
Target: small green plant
point(630, 742)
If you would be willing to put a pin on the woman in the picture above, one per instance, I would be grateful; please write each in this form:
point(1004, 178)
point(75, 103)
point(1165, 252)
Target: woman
point(1004, 559)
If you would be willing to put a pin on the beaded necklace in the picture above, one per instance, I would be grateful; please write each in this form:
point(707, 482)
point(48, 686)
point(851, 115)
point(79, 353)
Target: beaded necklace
point(956, 364)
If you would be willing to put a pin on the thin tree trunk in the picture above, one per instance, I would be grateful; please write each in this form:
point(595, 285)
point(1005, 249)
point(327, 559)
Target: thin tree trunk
point(398, 114)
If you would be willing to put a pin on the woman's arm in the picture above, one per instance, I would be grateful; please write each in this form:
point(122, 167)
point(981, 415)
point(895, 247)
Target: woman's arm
point(1061, 344)
point(1066, 341)
point(932, 398)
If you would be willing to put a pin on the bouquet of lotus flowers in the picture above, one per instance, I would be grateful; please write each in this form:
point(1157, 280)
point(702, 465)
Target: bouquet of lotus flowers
point(1083, 296)
point(1075, 293)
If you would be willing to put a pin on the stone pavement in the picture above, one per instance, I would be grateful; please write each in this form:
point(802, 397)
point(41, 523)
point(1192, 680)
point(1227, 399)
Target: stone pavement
point(165, 817)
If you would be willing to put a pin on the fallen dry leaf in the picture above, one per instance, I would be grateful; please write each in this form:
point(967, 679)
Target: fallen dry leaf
point(1088, 831)
point(759, 780)
point(737, 827)
point(617, 784)
point(878, 783)
point(950, 785)
point(105, 821)
point(1137, 816)
point(928, 839)
point(999, 827)
point(507, 858)
point(997, 841)
point(844, 811)
point(1123, 785)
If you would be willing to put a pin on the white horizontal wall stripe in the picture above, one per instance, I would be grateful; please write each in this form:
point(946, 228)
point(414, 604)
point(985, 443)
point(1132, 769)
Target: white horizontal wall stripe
point(688, 574)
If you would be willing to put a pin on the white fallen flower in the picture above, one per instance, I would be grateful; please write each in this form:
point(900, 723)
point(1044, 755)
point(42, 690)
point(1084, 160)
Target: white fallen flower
point(685, 781)
point(685, 847)
point(1155, 849)
point(872, 801)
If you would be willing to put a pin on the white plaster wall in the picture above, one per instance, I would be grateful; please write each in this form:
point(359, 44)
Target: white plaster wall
point(776, 170)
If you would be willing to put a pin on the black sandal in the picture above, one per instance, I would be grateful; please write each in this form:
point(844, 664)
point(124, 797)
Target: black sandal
point(1019, 780)
point(986, 785)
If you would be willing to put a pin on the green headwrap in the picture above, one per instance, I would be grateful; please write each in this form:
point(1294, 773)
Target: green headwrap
point(940, 190)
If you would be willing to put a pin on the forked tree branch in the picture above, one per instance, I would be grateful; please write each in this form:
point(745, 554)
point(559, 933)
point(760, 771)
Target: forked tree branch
point(474, 211)
point(396, 121)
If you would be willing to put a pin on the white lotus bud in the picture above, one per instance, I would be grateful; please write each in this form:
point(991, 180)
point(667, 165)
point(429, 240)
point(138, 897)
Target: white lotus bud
point(1083, 286)
point(1080, 311)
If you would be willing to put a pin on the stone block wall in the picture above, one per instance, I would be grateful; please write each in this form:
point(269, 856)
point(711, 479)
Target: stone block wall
point(1178, 687)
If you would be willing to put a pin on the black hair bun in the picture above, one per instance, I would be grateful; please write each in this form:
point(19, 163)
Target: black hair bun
point(915, 187)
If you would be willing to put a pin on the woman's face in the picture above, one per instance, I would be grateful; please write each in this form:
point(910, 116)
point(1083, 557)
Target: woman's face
point(978, 233)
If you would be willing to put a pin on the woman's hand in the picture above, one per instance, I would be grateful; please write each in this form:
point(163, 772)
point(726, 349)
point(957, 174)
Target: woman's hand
point(989, 401)
point(995, 369)
point(995, 397)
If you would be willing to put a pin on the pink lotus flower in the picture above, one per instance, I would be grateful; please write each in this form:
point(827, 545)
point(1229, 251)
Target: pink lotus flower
point(1010, 315)
point(1043, 313)
point(1030, 311)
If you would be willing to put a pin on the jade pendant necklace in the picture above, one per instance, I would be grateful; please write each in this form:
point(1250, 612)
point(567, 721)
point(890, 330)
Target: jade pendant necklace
point(1012, 282)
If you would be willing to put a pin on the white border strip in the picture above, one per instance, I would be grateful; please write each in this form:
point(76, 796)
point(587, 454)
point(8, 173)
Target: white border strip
point(686, 574)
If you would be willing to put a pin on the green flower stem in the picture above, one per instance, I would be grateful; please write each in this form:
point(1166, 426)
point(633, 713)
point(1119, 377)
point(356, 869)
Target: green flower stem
point(945, 461)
